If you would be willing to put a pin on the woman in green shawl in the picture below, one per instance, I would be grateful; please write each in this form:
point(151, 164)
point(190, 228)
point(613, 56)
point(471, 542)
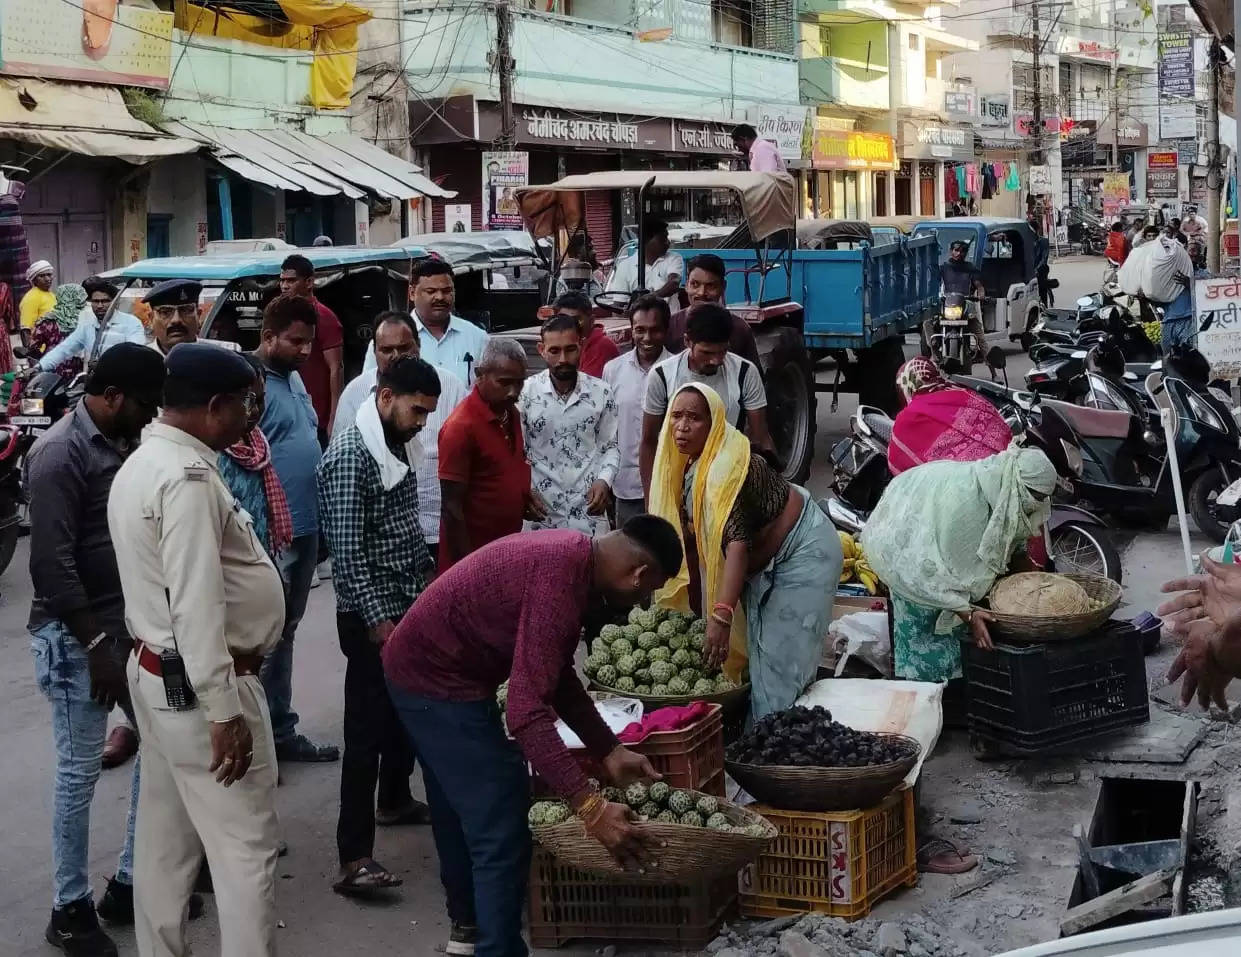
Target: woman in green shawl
point(941, 535)
point(54, 326)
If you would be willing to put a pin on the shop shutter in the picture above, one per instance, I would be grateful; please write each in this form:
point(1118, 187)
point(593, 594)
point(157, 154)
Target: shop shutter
point(599, 222)
point(461, 170)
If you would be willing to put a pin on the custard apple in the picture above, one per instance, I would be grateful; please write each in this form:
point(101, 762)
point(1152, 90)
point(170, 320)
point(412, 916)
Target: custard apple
point(637, 794)
point(669, 628)
point(703, 686)
point(625, 683)
point(606, 676)
point(601, 650)
point(662, 671)
point(659, 792)
point(707, 805)
point(609, 633)
point(635, 614)
point(625, 665)
point(681, 802)
point(660, 653)
point(547, 813)
point(648, 640)
point(639, 658)
point(724, 683)
point(683, 658)
point(649, 810)
point(692, 819)
point(666, 817)
point(621, 647)
point(631, 632)
point(642, 676)
point(698, 626)
point(698, 642)
point(642, 689)
point(614, 794)
point(676, 687)
point(688, 675)
point(718, 822)
point(659, 690)
point(678, 641)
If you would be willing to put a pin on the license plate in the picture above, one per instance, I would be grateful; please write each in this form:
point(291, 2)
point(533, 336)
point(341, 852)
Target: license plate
point(31, 420)
point(954, 322)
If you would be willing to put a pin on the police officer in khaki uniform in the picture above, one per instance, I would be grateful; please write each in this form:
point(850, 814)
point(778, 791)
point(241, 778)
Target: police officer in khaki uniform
point(204, 605)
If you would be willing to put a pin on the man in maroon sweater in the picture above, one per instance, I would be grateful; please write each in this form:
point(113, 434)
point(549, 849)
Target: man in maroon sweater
point(513, 610)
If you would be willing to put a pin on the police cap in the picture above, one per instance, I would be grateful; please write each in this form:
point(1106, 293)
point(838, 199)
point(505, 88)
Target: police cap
point(173, 292)
point(208, 370)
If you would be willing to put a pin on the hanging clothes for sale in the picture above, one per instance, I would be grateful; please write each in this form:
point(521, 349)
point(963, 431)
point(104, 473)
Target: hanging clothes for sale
point(14, 250)
point(951, 192)
point(988, 181)
point(971, 178)
point(959, 174)
point(1013, 181)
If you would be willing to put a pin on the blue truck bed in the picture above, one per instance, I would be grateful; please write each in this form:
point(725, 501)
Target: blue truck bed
point(851, 298)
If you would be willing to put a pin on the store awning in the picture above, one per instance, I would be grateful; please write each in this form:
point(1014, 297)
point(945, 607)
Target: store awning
point(324, 165)
point(81, 118)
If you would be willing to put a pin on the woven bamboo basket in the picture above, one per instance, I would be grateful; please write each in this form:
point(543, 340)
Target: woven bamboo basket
point(678, 851)
point(1103, 592)
point(825, 789)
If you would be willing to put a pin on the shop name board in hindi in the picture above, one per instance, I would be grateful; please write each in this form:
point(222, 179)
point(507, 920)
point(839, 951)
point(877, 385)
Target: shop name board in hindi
point(857, 150)
point(1219, 301)
point(706, 138)
point(550, 126)
point(996, 110)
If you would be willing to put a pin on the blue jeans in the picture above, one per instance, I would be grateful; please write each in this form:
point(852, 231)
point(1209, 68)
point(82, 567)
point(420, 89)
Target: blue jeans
point(1176, 332)
point(78, 727)
point(297, 569)
point(478, 791)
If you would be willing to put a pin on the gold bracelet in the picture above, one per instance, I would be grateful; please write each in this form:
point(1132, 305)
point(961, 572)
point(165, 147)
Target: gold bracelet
point(719, 620)
point(591, 810)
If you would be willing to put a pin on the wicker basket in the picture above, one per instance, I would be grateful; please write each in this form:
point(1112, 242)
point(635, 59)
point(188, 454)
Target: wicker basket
point(1061, 627)
point(733, 702)
point(686, 852)
point(825, 789)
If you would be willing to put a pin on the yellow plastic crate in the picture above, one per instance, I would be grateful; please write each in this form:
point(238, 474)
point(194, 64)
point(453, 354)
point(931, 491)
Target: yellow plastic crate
point(838, 863)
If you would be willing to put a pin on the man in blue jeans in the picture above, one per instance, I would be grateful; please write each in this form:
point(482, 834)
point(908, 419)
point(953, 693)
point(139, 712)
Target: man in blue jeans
point(291, 428)
point(77, 625)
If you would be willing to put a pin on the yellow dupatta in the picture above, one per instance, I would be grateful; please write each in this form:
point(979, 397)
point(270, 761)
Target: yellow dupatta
point(721, 470)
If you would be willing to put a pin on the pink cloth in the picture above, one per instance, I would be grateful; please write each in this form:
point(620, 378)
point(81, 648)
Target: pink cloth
point(665, 719)
point(765, 157)
point(947, 424)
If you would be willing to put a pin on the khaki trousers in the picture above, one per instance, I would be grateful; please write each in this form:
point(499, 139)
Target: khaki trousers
point(183, 813)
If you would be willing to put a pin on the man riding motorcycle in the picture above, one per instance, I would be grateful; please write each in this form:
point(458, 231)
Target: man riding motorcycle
point(958, 275)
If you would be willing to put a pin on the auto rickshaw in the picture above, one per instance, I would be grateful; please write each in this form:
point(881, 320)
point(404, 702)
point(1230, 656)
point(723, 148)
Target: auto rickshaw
point(1008, 254)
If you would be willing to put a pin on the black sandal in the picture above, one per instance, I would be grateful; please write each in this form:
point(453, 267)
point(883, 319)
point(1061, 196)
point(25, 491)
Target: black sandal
point(413, 813)
point(367, 879)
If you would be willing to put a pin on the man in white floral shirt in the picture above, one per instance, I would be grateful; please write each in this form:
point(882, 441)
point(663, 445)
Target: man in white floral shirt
point(569, 423)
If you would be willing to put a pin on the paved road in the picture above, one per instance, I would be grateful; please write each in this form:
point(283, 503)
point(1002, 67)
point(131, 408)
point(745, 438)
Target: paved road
point(315, 921)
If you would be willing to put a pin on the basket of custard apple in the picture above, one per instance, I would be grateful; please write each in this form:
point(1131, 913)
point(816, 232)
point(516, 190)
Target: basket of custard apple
point(688, 833)
point(658, 658)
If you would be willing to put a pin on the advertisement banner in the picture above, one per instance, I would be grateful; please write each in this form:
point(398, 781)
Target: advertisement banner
point(1176, 64)
point(1177, 120)
point(1161, 175)
point(1187, 151)
point(458, 218)
point(1220, 301)
point(127, 44)
point(1040, 180)
point(996, 109)
point(503, 173)
point(1115, 193)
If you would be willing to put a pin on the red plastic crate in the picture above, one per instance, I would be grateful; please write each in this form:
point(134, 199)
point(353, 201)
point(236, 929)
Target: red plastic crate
point(566, 904)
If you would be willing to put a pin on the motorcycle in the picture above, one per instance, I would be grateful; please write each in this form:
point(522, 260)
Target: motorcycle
point(1058, 368)
point(1077, 540)
point(11, 496)
point(953, 340)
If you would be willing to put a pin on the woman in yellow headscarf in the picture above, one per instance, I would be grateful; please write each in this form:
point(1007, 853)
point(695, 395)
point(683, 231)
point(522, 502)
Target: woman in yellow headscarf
point(765, 556)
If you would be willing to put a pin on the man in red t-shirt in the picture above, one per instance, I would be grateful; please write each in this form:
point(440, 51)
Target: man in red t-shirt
point(323, 373)
point(597, 348)
point(484, 475)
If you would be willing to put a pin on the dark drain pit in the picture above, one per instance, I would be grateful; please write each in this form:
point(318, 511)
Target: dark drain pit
point(1132, 854)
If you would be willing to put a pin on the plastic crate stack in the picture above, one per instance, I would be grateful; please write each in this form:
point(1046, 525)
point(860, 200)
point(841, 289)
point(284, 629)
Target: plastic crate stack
point(566, 904)
point(839, 863)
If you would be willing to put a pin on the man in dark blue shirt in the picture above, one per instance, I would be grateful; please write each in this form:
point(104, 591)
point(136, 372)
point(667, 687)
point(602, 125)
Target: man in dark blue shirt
point(958, 275)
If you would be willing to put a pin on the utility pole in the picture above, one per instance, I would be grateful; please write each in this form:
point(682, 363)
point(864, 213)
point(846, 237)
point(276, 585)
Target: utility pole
point(1115, 71)
point(1036, 49)
point(505, 66)
point(1215, 170)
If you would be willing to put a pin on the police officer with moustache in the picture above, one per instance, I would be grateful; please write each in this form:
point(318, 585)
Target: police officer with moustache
point(174, 315)
point(204, 604)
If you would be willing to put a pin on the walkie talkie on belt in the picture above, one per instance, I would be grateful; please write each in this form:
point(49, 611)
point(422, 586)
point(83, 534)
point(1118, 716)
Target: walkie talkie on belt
point(177, 688)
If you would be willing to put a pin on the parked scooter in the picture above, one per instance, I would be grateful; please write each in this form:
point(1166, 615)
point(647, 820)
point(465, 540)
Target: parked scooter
point(1078, 540)
point(1057, 368)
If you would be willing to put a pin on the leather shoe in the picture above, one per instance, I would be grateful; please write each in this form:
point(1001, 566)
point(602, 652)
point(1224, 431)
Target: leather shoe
point(122, 744)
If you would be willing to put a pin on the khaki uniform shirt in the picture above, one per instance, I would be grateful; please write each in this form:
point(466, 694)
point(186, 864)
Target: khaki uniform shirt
point(195, 576)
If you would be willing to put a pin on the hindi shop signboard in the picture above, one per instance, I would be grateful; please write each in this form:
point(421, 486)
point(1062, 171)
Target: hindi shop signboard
point(996, 109)
point(1220, 301)
point(784, 126)
point(1161, 175)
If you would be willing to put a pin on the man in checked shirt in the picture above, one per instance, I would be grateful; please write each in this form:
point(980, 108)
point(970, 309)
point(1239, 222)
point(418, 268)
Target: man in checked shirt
point(368, 505)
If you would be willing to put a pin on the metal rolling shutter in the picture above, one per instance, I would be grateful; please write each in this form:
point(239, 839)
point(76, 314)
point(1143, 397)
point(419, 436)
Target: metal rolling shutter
point(599, 222)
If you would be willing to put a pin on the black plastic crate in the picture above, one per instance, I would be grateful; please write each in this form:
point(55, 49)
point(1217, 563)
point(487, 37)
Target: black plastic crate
point(1030, 698)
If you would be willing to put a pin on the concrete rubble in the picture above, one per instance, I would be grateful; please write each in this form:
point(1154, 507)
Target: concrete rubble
point(814, 935)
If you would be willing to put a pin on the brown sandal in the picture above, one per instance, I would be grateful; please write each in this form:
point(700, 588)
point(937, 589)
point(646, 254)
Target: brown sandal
point(942, 856)
point(367, 879)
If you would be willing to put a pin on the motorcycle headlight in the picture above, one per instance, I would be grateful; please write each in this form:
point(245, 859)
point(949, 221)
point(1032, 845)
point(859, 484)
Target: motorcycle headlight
point(952, 312)
point(1073, 457)
point(1204, 413)
point(32, 406)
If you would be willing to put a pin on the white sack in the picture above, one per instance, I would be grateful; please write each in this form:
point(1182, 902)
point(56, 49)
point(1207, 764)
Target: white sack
point(864, 634)
point(1156, 270)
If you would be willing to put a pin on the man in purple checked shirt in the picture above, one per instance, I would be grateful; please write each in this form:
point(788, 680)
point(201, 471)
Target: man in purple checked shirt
point(513, 610)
